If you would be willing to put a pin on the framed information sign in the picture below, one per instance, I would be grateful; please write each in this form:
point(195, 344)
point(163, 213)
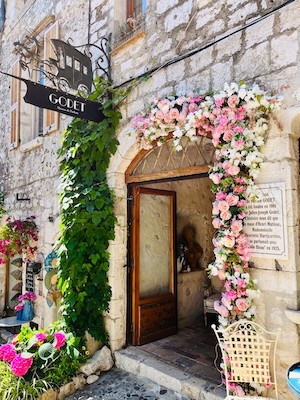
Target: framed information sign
point(266, 224)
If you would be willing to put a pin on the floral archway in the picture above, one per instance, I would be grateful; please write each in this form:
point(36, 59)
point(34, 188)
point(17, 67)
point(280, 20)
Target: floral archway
point(237, 119)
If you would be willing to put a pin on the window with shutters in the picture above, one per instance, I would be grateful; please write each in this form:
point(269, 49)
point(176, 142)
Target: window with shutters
point(28, 122)
point(15, 107)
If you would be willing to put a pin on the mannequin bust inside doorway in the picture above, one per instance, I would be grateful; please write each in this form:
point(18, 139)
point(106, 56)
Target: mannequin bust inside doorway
point(192, 251)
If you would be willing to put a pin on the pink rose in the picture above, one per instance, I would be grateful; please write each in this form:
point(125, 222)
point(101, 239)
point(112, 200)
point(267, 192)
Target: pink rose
point(222, 310)
point(242, 304)
point(228, 135)
point(241, 203)
point(236, 226)
point(238, 129)
point(216, 178)
point(229, 241)
point(40, 336)
point(231, 295)
point(239, 189)
point(223, 206)
point(239, 144)
point(225, 215)
point(221, 196)
point(167, 118)
point(222, 119)
point(241, 215)
point(231, 199)
point(174, 113)
point(219, 102)
point(60, 339)
point(193, 107)
point(233, 101)
point(159, 115)
point(233, 170)
point(216, 223)
point(239, 392)
point(221, 275)
point(20, 365)
point(164, 105)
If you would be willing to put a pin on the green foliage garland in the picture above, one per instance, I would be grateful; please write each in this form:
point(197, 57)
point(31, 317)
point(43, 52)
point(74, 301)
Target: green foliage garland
point(87, 215)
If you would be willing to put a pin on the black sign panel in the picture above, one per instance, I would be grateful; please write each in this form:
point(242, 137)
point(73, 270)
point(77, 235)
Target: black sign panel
point(53, 99)
point(29, 280)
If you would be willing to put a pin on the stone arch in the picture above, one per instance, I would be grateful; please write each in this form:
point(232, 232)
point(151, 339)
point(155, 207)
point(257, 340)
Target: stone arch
point(123, 163)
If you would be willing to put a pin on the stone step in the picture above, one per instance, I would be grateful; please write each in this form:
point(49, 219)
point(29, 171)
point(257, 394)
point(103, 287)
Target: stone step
point(140, 363)
point(6, 336)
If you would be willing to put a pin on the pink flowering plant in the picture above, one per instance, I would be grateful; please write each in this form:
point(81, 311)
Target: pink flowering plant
point(18, 237)
point(23, 298)
point(49, 356)
point(236, 119)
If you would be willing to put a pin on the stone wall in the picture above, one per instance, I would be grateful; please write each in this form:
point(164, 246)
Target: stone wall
point(267, 52)
point(188, 45)
point(32, 168)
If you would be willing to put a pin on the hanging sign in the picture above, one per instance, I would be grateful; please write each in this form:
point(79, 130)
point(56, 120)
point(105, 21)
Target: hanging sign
point(266, 224)
point(53, 99)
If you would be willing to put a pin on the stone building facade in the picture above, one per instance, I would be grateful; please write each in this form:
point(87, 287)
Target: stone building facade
point(182, 45)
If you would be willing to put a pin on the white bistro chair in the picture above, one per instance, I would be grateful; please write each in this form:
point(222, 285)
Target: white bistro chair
point(250, 350)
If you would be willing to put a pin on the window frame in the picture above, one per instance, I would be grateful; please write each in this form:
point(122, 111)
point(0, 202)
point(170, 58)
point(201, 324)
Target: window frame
point(26, 120)
point(131, 8)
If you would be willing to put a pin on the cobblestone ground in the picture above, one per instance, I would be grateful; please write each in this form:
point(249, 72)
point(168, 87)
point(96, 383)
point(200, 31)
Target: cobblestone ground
point(120, 385)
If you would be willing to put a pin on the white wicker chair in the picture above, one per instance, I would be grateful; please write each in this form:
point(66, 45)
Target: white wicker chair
point(251, 353)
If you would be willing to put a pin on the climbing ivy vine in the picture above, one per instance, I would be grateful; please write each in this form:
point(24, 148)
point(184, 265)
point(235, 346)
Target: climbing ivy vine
point(87, 215)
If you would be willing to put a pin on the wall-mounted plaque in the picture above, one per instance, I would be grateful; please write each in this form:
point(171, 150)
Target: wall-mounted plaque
point(266, 224)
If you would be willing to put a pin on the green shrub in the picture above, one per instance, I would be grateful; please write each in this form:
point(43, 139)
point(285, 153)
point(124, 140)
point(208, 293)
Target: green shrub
point(36, 361)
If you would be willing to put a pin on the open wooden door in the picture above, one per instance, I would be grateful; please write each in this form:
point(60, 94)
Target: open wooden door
point(154, 296)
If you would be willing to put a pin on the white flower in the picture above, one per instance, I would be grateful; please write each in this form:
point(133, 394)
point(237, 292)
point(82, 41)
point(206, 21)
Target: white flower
point(177, 133)
point(191, 132)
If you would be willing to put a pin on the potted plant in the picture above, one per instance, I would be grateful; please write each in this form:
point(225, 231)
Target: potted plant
point(24, 310)
point(17, 237)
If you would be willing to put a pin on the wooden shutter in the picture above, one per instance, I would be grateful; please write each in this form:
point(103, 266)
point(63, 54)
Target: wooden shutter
point(130, 9)
point(15, 106)
point(51, 118)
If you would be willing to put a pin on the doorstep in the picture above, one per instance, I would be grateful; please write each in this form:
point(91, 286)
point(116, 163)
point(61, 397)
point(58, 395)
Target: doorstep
point(141, 363)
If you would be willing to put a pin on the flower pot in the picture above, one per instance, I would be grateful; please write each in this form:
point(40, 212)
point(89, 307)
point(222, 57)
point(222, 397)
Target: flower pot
point(27, 312)
point(19, 315)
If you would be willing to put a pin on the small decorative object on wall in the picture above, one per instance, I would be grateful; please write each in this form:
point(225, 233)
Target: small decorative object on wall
point(17, 274)
point(17, 262)
point(29, 278)
point(51, 279)
point(36, 267)
point(14, 282)
point(50, 261)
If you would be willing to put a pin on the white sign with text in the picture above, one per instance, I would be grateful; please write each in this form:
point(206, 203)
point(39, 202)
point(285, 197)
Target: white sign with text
point(265, 223)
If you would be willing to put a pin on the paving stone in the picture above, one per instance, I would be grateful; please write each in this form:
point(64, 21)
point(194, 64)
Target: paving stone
point(120, 385)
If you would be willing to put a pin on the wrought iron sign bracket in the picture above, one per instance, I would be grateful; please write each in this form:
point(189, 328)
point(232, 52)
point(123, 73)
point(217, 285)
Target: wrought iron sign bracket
point(71, 69)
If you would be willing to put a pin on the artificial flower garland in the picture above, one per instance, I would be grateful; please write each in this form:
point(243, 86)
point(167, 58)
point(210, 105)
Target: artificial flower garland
point(236, 119)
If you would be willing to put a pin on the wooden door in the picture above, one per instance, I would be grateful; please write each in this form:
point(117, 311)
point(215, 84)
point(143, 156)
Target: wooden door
point(154, 296)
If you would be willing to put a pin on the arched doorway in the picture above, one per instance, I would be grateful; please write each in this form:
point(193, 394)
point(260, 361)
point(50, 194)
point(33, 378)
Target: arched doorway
point(169, 195)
